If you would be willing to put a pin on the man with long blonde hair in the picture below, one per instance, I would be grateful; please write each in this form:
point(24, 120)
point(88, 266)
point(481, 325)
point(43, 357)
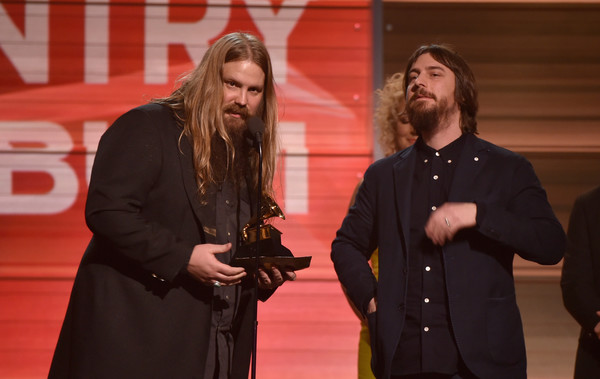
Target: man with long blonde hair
point(172, 186)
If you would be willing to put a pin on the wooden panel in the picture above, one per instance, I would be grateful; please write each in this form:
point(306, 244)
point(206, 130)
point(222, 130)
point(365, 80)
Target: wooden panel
point(537, 66)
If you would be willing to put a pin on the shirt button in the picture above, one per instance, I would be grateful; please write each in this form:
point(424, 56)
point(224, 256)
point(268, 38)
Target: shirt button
point(427, 268)
point(435, 177)
point(476, 159)
point(426, 300)
point(227, 202)
point(426, 160)
point(437, 153)
point(449, 160)
point(433, 208)
point(229, 233)
point(426, 328)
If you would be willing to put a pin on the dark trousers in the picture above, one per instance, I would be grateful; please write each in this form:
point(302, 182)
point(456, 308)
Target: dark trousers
point(463, 373)
point(587, 363)
point(433, 376)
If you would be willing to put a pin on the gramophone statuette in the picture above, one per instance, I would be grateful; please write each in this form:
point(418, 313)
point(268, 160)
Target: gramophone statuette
point(268, 209)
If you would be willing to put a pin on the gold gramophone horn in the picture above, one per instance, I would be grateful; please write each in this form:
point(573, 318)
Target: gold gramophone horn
point(268, 209)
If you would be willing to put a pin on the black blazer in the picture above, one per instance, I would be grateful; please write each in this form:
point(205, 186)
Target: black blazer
point(580, 280)
point(513, 217)
point(134, 312)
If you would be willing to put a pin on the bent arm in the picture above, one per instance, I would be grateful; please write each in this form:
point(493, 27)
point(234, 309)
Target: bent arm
point(527, 223)
point(352, 247)
point(126, 169)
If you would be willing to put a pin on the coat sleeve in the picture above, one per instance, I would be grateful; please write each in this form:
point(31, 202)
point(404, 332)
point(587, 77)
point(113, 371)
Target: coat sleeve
point(578, 278)
point(353, 245)
point(126, 169)
point(525, 222)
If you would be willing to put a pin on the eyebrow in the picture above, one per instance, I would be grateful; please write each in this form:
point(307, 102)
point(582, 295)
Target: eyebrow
point(429, 68)
point(440, 67)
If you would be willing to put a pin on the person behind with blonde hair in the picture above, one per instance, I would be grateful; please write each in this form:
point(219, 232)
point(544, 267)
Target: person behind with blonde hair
point(173, 184)
point(394, 134)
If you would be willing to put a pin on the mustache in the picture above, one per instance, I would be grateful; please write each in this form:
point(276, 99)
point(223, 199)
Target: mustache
point(234, 108)
point(421, 92)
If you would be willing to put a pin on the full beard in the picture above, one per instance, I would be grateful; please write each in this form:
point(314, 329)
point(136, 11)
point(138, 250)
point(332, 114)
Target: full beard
point(231, 163)
point(425, 118)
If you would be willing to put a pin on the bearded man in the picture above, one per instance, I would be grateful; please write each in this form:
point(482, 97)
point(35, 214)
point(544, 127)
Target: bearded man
point(448, 215)
point(172, 186)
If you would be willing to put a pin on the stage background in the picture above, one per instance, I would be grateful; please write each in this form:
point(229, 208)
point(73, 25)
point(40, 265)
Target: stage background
point(69, 68)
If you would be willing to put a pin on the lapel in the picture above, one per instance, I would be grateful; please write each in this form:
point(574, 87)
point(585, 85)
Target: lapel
point(403, 179)
point(191, 188)
point(472, 160)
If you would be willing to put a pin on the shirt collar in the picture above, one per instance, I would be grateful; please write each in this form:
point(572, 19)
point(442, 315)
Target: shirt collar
point(451, 151)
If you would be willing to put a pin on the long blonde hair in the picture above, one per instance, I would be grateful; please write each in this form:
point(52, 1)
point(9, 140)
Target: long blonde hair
point(198, 104)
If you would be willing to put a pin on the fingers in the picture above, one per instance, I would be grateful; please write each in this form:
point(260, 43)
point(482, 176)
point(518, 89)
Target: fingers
point(372, 307)
point(228, 270)
point(206, 268)
point(228, 279)
point(270, 279)
point(273, 278)
point(439, 229)
point(448, 219)
point(219, 249)
point(289, 275)
point(264, 281)
point(228, 275)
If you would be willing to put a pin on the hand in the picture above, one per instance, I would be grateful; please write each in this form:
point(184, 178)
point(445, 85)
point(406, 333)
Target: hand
point(205, 267)
point(372, 306)
point(273, 278)
point(597, 327)
point(447, 220)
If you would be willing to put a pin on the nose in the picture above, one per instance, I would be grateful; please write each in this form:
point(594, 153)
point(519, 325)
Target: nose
point(418, 82)
point(242, 98)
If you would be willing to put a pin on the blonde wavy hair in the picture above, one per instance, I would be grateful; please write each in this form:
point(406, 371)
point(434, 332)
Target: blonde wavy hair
point(198, 104)
point(389, 112)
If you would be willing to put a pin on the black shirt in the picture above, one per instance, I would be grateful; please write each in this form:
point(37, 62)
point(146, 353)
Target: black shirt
point(232, 209)
point(427, 344)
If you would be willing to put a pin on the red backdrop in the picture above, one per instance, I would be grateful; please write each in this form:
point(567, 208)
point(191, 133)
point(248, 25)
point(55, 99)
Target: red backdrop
point(68, 69)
